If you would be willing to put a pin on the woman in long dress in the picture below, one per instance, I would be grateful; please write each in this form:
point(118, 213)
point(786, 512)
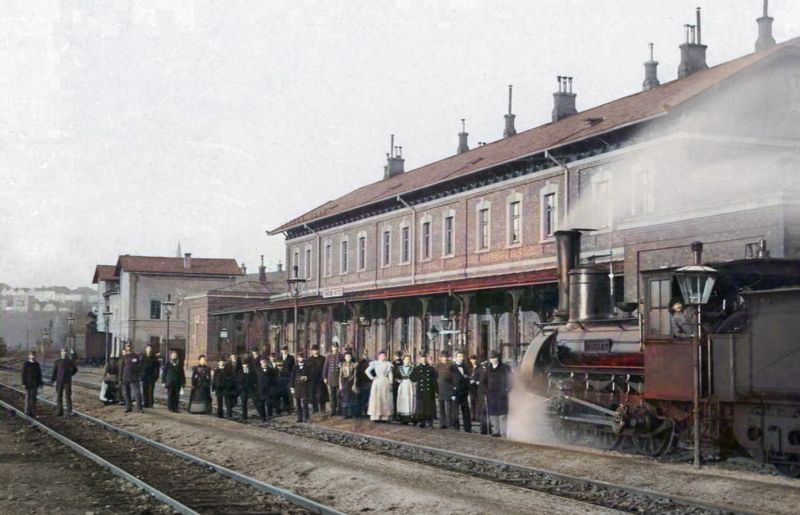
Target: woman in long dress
point(380, 398)
point(347, 380)
point(406, 394)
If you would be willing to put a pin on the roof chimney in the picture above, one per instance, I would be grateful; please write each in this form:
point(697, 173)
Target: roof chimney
point(394, 161)
point(509, 130)
point(279, 267)
point(462, 138)
point(187, 260)
point(650, 73)
point(244, 269)
point(564, 99)
point(262, 271)
point(765, 39)
point(693, 52)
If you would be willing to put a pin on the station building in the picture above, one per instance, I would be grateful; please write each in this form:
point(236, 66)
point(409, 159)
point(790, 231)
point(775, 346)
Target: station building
point(460, 253)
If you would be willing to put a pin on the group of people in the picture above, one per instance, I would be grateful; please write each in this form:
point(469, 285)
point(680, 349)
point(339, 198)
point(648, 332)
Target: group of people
point(456, 392)
point(133, 377)
point(453, 391)
point(61, 378)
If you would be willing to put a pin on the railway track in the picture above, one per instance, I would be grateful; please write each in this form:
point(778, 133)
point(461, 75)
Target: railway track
point(161, 470)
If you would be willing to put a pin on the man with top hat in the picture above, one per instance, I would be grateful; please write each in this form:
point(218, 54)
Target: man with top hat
point(301, 383)
point(131, 377)
point(497, 382)
point(63, 370)
point(247, 386)
point(462, 372)
point(447, 395)
point(330, 376)
point(318, 393)
point(266, 379)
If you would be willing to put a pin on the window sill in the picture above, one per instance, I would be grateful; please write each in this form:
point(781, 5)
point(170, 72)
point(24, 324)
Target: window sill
point(514, 245)
point(482, 251)
point(448, 256)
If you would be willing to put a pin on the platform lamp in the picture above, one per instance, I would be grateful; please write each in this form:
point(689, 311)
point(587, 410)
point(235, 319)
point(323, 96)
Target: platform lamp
point(71, 334)
point(696, 283)
point(167, 305)
point(107, 315)
point(295, 284)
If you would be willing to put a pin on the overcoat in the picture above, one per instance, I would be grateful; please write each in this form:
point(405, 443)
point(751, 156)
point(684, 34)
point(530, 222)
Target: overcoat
point(301, 381)
point(32, 374)
point(63, 370)
point(425, 381)
point(497, 381)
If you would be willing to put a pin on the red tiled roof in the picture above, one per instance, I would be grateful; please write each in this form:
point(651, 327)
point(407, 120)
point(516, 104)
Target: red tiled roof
point(104, 273)
point(625, 111)
point(174, 265)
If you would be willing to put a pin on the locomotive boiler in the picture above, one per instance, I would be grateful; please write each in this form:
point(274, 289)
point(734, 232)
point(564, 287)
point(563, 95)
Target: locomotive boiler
point(615, 378)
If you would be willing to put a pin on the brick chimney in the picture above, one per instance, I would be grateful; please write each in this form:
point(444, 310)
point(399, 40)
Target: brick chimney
point(244, 269)
point(693, 52)
point(279, 267)
point(765, 39)
point(187, 260)
point(564, 99)
point(650, 73)
point(262, 271)
point(509, 130)
point(462, 138)
point(394, 161)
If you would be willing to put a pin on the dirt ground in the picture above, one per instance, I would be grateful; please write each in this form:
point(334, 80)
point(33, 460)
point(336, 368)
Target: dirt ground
point(349, 480)
point(39, 475)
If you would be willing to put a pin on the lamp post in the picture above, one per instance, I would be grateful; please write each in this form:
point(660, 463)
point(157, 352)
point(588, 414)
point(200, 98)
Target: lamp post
point(107, 314)
point(71, 334)
point(167, 305)
point(696, 283)
point(295, 284)
point(45, 338)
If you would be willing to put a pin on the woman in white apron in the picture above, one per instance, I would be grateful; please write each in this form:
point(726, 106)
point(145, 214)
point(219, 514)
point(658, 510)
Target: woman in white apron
point(406, 394)
point(380, 398)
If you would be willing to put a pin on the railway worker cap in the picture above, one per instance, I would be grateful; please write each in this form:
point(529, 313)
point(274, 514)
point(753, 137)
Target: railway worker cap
point(493, 354)
point(314, 347)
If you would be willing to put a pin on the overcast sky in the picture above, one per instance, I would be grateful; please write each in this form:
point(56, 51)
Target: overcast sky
point(126, 129)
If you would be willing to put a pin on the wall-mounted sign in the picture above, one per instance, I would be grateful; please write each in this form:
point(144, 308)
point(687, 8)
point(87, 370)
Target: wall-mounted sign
point(328, 293)
point(223, 333)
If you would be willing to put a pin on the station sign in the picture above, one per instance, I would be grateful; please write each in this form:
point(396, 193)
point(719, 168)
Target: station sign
point(328, 293)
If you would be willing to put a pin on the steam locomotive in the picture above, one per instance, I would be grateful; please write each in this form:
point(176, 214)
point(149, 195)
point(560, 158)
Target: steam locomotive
point(614, 379)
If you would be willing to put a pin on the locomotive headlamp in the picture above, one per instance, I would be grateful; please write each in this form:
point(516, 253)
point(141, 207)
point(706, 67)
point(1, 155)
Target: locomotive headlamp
point(696, 283)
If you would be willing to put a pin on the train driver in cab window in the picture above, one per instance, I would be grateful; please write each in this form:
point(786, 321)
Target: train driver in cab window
point(681, 322)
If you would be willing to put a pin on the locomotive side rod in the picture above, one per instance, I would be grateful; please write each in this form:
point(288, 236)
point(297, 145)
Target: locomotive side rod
point(591, 406)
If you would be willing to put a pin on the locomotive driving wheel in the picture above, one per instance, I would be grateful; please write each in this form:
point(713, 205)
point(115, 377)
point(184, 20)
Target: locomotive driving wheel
point(606, 440)
point(566, 431)
point(788, 468)
point(658, 441)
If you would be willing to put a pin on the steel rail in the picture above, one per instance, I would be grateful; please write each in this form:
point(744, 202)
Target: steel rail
point(83, 451)
point(558, 475)
point(293, 498)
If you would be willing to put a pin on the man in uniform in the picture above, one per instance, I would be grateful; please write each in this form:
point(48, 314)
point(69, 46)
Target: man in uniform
point(32, 381)
point(447, 395)
point(173, 379)
point(315, 365)
point(150, 367)
point(247, 385)
point(681, 323)
point(330, 376)
point(424, 378)
point(301, 383)
point(462, 373)
point(397, 362)
point(63, 370)
point(131, 375)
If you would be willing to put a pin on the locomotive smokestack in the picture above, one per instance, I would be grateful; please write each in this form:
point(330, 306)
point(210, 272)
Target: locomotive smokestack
point(568, 248)
point(697, 252)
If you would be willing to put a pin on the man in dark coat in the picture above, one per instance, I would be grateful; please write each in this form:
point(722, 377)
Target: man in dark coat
point(32, 381)
point(462, 373)
point(301, 383)
point(219, 384)
point(287, 359)
point(447, 394)
point(173, 379)
point(266, 379)
point(479, 388)
point(150, 367)
point(330, 376)
point(363, 385)
point(201, 387)
point(254, 360)
point(397, 362)
point(131, 375)
point(315, 364)
point(63, 370)
point(282, 399)
point(497, 381)
point(424, 378)
point(247, 386)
